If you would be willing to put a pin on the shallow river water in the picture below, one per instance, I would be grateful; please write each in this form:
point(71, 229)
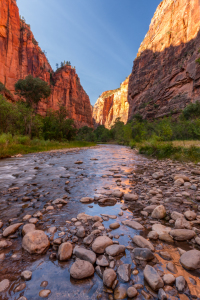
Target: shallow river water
point(42, 177)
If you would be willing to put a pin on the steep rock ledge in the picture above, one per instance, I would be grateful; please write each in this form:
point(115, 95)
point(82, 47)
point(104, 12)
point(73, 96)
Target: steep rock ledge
point(165, 75)
point(20, 55)
point(112, 105)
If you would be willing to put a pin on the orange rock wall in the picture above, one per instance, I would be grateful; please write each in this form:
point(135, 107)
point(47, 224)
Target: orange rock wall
point(20, 55)
point(112, 105)
point(165, 75)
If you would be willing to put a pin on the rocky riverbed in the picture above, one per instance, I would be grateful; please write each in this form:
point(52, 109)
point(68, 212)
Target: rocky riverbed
point(99, 223)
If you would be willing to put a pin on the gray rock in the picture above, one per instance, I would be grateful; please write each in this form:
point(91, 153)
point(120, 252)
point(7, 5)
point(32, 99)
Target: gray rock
point(114, 250)
point(190, 215)
point(142, 242)
point(169, 279)
point(102, 261)
point(180, 283)
point(101, 243)
point(153, 235)
point(143, 254)
point(99, 271)
point(171, 267)
point(133, 224)
point(159, 212)
point(182, 223)
point(131, 197)
point(182, 234)
point(88, 239)
point(132, 292)
point(26, 275)
point(109, 277)
point(124, 272)
point(162, 295)
point(176, 215)
point(81, 269)
point(85, 254)
point(153, 278)
point(190, 260)
point(150, 208)
point(80, 232)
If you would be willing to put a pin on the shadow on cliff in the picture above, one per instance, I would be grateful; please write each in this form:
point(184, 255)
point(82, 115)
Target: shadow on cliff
point(163, 83)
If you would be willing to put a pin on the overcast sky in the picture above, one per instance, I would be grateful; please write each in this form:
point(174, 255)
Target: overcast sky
point(99, 37)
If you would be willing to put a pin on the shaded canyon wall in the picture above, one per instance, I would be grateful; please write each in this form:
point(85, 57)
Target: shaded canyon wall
point(165, 75)
point(20, 55)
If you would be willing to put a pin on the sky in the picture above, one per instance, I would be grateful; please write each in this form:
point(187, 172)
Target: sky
point(99, 37)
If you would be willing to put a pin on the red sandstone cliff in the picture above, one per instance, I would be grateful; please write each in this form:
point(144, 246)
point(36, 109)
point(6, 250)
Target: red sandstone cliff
point(112, 105)
point(165, 75)
point(20, 55)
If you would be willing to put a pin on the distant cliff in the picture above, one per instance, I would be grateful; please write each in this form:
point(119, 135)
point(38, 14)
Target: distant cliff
point(112, 105)
point(166, 74)
point(20, 55)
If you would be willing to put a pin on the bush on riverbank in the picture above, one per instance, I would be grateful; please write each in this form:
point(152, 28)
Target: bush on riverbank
point(12, 145)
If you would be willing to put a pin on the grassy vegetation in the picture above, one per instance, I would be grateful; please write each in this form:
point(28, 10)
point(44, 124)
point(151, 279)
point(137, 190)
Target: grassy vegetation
point(10, 146)
point(184, 151)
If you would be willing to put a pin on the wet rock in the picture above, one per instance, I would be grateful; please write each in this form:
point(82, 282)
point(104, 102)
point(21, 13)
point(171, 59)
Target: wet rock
point(26, 217)
point(4, 285)
point(81, 269)
point(190, 260)
point(114, 225)
point(28, 228)
point(162, 295)
point(11, 229)
point(133, 224)
point(35, 242)
point(182, 234)
point(85, 254)
point(180, 283)
point(2, 256)
point(131, 197)
point(165, 255)
point(102, 261)
point(22, 298)
point(153, 235)
point(26, 275)
point(190, 215)
point(166, 237)
point(117, 194)
point(65, 251)
point(88, 239)
point(171, 267)
point(86, 200)
point(52, 230)
point(80, 232)
point(99, 270)
point(169, 279)
point(109, 277)
point(142, 242)
point(159, 212)
point(153, 278)
point(132, 292)
point(120, 293)
point(44, 293)
point(44, 284)
point(20, 287)
point(143, 254)
point(115, 250)
point(101, 243)
point(33, 220)
point(124, 272)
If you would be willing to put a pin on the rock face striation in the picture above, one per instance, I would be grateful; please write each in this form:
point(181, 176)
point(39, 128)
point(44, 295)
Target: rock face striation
point(112, 105)
point(165, 75)
point(20, 55)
